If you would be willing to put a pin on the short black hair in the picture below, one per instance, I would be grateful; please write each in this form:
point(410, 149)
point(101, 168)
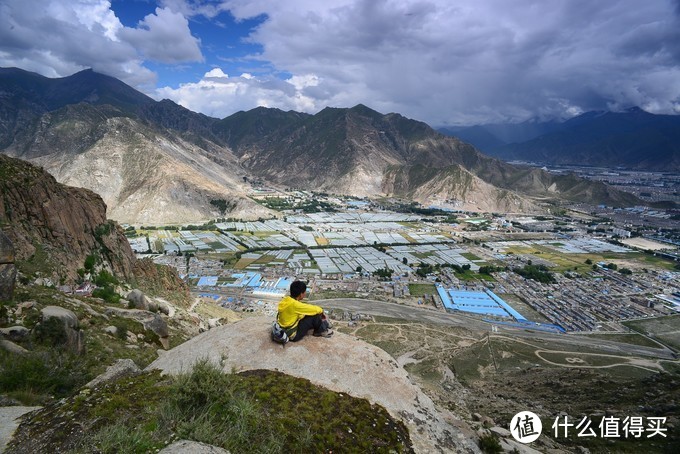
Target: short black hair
point(297, 288)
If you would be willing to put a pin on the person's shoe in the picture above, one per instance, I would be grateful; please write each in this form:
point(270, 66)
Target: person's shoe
point(326, 333)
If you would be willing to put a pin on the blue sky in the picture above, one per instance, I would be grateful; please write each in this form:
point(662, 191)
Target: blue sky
point(223, 39)
point(445, 62)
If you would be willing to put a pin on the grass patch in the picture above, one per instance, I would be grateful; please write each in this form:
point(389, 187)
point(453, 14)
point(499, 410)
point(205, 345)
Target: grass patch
point(664, 329)
point(253, 412)
point(633, 339)
point(470, 256)
point(418, 290)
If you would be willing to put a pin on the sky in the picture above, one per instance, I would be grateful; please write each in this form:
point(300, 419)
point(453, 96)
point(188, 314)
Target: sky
point(445, 62)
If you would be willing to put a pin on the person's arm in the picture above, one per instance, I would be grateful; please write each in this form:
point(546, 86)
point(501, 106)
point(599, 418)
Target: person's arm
point(307, 309)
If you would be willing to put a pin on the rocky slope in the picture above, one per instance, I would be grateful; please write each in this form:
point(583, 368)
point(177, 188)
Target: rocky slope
point(55, 227)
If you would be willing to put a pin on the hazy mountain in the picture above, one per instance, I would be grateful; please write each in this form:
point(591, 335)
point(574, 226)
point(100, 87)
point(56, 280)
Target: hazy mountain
point(157, 162)
point(632, 139)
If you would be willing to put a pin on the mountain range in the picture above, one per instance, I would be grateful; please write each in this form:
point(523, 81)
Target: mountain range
point(632, 139)
point(157, 162)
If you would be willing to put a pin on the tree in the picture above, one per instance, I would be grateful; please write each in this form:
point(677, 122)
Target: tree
point(589, 262)
point(404, 261)
point(359, 269)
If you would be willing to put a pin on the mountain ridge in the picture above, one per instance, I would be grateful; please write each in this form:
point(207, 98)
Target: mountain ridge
point(158, 162)
point(632, 138)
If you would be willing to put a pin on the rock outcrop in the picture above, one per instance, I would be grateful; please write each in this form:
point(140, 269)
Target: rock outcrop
point(75, 339)
point(58, 226)
point(341, 363)
point(8, 270)
point(152, 322)
point(121, 368)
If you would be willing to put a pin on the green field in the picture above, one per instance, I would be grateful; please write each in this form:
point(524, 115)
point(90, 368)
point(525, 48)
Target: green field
point(421, 289)
point(664, 329)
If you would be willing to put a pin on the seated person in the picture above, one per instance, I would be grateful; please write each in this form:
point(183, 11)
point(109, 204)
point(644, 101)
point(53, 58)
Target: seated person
point(297, 318)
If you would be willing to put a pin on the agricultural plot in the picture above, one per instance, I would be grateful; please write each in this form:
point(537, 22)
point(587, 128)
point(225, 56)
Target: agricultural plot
point(433, 254)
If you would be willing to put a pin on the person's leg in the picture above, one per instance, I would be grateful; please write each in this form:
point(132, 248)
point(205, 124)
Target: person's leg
point(308, 322)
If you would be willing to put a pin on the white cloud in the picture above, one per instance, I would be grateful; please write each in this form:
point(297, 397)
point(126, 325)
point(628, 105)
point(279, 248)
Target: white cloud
point(164, 37)
point(60, 37)
point(469, 61)
point(219, 95)
point(441, 61)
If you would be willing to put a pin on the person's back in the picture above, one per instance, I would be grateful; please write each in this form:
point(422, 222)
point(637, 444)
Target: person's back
point(297, 318)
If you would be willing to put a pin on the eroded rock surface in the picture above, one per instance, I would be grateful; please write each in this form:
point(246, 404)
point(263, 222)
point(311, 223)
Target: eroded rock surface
point(341, 363)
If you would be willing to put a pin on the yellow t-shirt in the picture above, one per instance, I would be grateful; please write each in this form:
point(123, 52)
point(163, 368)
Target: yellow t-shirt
point(291, 311)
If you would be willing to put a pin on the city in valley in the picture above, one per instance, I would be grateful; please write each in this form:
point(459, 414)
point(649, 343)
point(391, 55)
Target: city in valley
point(581, 269)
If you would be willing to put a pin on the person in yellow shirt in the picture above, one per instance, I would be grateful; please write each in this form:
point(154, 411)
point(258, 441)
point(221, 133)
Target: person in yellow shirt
point(297, 318)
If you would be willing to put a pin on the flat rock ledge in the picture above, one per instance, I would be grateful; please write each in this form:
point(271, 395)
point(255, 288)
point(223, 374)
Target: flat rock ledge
point(9, 421)
point(341, 363)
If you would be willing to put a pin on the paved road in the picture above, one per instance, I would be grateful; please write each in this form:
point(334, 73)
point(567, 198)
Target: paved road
point(431, 315)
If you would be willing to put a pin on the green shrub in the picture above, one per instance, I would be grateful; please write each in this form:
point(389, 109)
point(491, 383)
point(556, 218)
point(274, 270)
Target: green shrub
point(490, 444)
point(107, 294)
point(51, 372)
point(105, 278)
point(51, 332)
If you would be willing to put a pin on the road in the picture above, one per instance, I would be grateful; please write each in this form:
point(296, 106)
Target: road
point(438, 317)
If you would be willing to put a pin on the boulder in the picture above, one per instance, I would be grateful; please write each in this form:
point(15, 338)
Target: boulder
point(12, 347)
point(15, 332)
point(112, 330)
point(195, 447)
point(342, 364)
point(121, 368)
point(69, 319)
point(150, 321)
point(75, 339)
point(138, 299)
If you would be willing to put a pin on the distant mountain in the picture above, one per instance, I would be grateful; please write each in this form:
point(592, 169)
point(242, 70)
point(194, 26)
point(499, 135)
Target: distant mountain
point(632, 139)
point(362, 152)
point(157, 162)
point(151, 162)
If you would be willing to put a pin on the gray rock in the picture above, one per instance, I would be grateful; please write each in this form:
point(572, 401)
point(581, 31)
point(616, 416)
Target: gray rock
point(9, 421)
point(68, 317)
point(15, 332)
point(157, 325)
point(150, 321)
point(112, 330)
point(8, 277)
point(194, 447)
point(122, 368)
point(6, 249)
point(500, 431)
point(12, 347)
point(75, 338)
point(8, 271)
point(138, 299)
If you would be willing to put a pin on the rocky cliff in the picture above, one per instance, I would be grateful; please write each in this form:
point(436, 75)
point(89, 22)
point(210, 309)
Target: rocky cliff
point(54, 228)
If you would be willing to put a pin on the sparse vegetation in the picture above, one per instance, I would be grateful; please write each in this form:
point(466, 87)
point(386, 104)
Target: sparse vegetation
point(253, 412)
